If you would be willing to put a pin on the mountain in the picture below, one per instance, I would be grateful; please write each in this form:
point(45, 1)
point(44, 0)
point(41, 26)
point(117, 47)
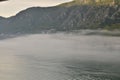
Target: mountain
point(92, 2)
point(63, 18)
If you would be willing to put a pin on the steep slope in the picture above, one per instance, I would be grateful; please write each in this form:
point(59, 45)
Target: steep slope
point(92, 2)
point(62, 18)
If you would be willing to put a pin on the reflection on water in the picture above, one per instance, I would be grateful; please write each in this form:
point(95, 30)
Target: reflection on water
point(60, 57)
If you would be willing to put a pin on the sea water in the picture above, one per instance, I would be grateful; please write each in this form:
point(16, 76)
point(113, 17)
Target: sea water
point(60, 56)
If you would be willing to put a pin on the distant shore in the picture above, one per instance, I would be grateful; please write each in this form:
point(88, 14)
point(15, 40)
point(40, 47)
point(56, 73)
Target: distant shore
point(115, 33)
point(97, 32)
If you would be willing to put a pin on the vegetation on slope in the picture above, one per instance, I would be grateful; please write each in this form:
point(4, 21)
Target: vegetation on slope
point(92, 2)
point(62, 18)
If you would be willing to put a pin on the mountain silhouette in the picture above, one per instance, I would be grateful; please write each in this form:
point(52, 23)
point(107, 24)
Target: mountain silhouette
point(62, 18)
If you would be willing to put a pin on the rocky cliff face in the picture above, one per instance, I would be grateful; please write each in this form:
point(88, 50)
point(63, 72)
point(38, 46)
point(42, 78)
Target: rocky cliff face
point(62, 18)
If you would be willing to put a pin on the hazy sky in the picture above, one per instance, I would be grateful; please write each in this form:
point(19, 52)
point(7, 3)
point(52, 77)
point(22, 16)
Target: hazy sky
point(11, 7)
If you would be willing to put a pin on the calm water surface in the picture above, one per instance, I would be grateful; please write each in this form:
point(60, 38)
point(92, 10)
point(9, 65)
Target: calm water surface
point(60, 57)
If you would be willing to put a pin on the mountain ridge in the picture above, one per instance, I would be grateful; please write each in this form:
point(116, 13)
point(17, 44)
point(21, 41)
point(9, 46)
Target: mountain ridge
point(92, 2)
point(61, 18)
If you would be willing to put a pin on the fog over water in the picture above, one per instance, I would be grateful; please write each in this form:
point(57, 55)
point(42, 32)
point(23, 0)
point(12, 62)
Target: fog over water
point(60, 56)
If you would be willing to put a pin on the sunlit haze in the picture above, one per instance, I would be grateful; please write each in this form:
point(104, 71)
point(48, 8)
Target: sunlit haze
point(11, 7)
